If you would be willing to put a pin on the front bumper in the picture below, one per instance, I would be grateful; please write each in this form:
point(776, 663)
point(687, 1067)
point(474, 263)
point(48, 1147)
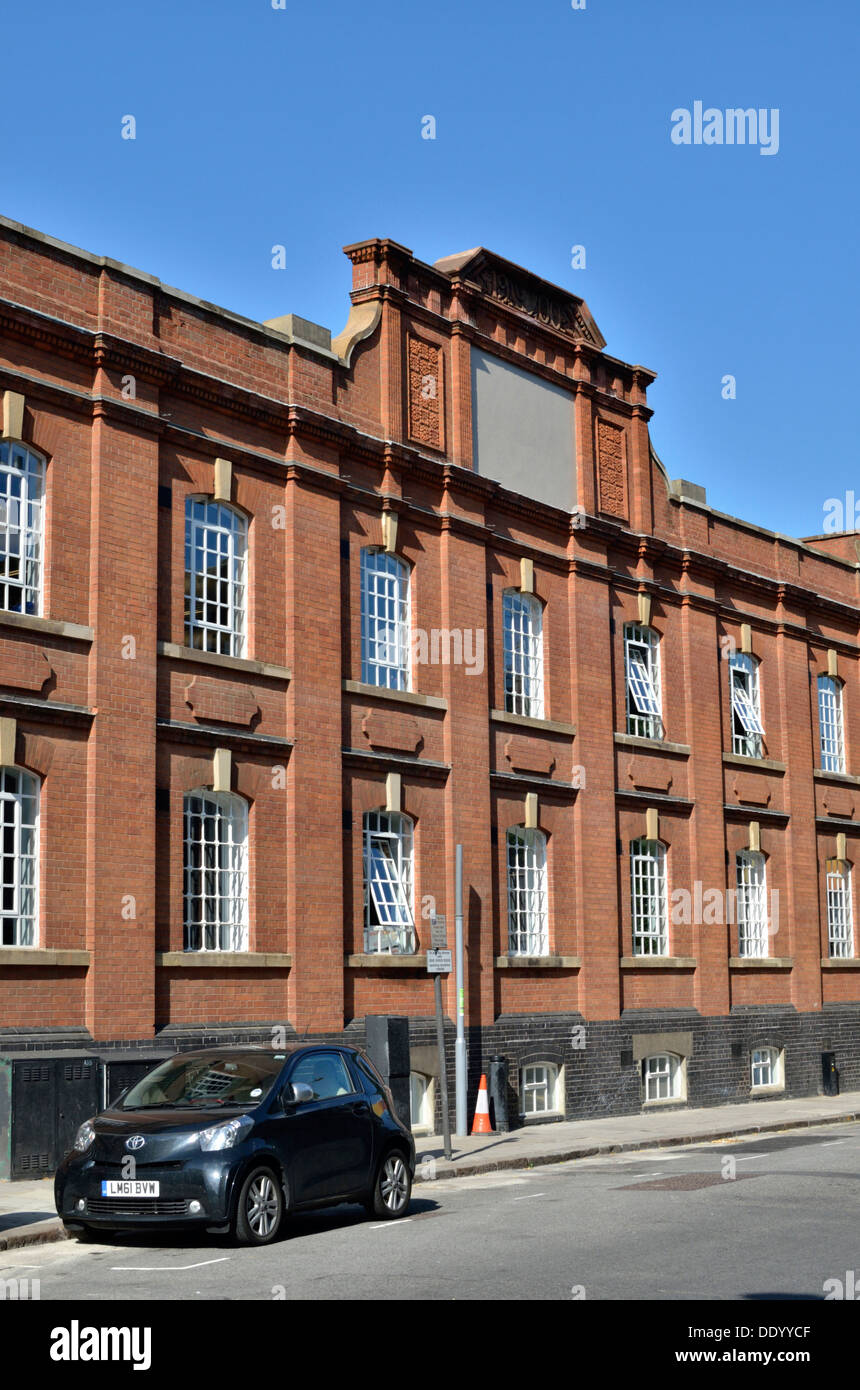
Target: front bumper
point(205, 1180)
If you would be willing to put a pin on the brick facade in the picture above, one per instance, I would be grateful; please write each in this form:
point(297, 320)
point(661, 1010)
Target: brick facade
point(132, 391)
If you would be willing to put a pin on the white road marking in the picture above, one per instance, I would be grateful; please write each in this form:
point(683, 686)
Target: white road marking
point(392, 1225)
point(528, 1196)
point(166, 1269)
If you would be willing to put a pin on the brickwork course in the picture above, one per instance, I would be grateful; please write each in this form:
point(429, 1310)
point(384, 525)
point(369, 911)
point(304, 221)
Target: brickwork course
point(132, 390)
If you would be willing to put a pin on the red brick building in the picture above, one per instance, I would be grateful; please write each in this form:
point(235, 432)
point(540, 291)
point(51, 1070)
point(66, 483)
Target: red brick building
point(285, 617)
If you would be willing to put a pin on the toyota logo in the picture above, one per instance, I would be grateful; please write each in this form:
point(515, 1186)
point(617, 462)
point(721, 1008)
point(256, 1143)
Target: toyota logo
point(136, 1141)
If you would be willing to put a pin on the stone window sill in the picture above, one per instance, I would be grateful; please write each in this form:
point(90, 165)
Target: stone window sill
point(658, 962)
point(740, 760)
point(401, 697)
point(378, 960)
point(840, 962)
point(844, 777)
point(47, 625)
point(38, 956)
point(227, 663)
point(761, 962)
point(655, 745)
point(538, 962)
point(220, 960)
point(523, 721)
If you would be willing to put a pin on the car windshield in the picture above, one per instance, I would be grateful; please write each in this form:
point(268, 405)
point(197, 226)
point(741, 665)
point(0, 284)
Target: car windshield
point(216, 1079)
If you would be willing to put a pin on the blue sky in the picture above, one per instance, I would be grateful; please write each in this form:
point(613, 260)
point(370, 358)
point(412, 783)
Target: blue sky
point(301, 126)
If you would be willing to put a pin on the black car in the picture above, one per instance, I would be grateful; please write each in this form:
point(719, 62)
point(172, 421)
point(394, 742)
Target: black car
point(231, 1139)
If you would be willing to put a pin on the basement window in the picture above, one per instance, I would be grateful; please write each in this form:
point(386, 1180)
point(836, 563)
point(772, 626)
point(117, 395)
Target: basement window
point(766, 1069)
point(663, 1078)
point(541, 1091)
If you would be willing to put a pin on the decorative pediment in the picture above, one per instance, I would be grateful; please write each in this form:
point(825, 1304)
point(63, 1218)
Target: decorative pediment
point(518, 289)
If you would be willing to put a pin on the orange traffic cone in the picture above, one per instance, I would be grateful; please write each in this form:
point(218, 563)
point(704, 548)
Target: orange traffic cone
point(481, 1123)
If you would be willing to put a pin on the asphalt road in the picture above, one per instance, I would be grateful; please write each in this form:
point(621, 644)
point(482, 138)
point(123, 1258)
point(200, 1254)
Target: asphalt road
point(667, 1225)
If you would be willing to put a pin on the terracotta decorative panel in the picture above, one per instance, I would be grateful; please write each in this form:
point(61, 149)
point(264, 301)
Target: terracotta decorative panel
point(611, 469)
point(225, 703)
point(649, 774)
point(23, 666)
point(839, 802)
point(529, 755)
point(752, 790)
point(425, 375)
point(393, 730)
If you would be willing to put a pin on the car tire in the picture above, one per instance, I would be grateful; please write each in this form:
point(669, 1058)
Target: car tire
point(259, 1209)
point(392, 1187)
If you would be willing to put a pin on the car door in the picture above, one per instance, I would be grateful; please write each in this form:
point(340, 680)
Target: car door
point(330, 1137)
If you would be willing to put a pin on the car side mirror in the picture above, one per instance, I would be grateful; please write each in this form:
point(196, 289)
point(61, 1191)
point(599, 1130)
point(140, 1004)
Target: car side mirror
point(298, 1093)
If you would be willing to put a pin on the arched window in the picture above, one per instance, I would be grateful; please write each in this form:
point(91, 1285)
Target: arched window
point(22, 496)
point(216, 545)
point(765, 1067)
point(663, 1077)
point(642, 669)
point(19, 857)
point(747, 727)
point(528, 925)
point(522, 622)
point(830, 726)
point(389, 923)
point(648, 898)
point(215, 841)
point(840, 910)
point(385, 620)
point(752, 903)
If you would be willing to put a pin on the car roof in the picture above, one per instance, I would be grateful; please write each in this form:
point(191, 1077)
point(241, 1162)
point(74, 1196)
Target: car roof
point(285, 1053)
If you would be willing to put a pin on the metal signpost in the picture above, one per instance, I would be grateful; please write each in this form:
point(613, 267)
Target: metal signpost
point(439, 963)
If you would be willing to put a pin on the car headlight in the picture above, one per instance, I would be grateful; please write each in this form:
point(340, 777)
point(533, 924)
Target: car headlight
point(225, 1135)
point(84, 1137)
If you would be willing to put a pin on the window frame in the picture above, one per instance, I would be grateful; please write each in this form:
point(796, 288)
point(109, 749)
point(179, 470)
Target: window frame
point(840, 916)
point(642, 645)
point(831, 724)
point(523, 647)
point(385, 566)
point(396, 855)
point(31, 538)
point(229, 638)
point(772, 1060)
point(232, 812)
point(24, 925)
point(752, 891)
point(552, 1085)
point(674, 1074)
point(745, 700)
point(643, 924)
point(531, 845)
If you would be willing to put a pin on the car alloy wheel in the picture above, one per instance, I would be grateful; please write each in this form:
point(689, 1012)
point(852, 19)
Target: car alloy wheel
point(261, 1207)
point(393, 1187)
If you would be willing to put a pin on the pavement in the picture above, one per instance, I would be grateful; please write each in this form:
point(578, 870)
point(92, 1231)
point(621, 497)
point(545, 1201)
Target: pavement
point(28, 1216)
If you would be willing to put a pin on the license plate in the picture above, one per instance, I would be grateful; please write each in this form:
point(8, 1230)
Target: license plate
point(119, 1188)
